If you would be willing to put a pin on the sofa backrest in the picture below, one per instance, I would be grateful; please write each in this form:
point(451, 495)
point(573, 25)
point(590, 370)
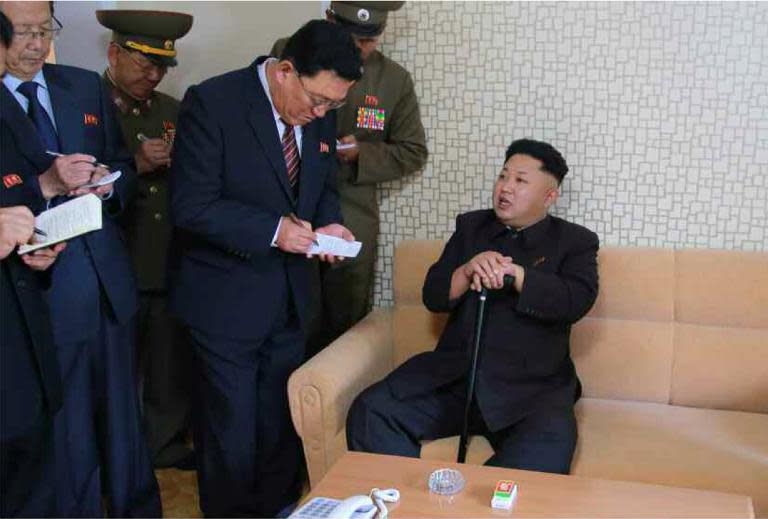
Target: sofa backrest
point(687, 327)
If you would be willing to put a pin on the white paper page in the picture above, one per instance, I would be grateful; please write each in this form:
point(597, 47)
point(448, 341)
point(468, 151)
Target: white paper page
point(336, 246)
point(66, 221)
point(106, 179)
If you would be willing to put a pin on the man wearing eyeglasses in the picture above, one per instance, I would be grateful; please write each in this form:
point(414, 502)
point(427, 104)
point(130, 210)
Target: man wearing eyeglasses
point(141, 50)
point(66, 111)
point(253, 181)
point(383, 137)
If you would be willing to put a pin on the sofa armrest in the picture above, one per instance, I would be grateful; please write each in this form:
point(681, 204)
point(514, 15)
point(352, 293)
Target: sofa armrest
point(321, 391)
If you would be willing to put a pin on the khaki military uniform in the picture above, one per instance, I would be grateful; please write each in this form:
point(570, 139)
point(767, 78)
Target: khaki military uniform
point(382, 112)
point(163, 357)
point(147, 223)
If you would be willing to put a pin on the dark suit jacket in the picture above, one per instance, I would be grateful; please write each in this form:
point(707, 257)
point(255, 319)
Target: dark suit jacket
point(525, 353)
point(31, 384)
point(74, 94)
point(229, 187)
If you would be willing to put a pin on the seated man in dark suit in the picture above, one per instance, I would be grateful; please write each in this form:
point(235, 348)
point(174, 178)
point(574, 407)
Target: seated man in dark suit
point(526, 383)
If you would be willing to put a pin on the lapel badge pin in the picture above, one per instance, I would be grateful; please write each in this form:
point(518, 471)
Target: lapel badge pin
point(90, 120)
point(324, 148)
point(539, 261)
point(11, 180)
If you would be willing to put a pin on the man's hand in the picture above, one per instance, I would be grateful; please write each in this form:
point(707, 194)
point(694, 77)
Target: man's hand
point(66, 174)
point(295, 236)
point(41, 259)
point(487, 269)
point(100, 191)
point(350, 154)
point(339, 231)
point(152, 154)
point(17, 224)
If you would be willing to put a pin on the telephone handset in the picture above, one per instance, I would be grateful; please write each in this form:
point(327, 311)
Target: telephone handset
point(355, 507)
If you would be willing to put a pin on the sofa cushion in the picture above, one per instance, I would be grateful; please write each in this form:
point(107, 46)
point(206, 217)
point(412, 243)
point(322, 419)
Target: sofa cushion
point(623, 359)
point(721, 368)
point(412, 260)
point(707, 449)
point(414, 330)
point(635, 283)
point(725, 288)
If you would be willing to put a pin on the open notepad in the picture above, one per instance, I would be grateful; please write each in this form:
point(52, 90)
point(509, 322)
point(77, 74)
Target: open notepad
point(66, 221)
point(335, 246)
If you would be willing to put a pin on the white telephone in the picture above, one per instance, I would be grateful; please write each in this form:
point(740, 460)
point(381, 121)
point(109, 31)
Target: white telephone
point(355, 507)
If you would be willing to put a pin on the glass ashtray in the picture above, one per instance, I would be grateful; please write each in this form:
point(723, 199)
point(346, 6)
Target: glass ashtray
point(446, 482)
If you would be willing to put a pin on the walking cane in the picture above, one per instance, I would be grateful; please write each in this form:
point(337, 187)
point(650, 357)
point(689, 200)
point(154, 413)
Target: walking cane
point(479, 321)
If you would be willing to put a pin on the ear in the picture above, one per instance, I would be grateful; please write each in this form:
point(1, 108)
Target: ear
point(283, 69)
point(112, 52)
point(551, 197)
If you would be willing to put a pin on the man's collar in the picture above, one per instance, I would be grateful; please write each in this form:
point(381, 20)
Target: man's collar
point(261, 70)
point(529, 237)
point(123, 101)
point(12, 82)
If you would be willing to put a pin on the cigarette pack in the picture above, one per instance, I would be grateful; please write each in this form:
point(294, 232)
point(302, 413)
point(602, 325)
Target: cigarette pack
point(504, 495)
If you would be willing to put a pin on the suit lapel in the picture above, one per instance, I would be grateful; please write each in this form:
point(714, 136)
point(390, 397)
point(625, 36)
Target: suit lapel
point(18, 123)
point(67, 111)
point(263, 123)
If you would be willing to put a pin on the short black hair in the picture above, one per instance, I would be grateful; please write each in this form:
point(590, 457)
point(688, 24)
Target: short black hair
point(320, 45)
point(552, 161)
point(6, 30)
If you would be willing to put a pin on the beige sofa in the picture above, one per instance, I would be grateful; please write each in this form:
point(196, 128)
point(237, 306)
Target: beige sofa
point(673, 359)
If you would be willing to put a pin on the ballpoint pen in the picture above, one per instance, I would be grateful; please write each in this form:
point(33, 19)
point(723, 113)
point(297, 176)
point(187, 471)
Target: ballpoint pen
point(94, 163)
point(41, 232)
point(295, 219)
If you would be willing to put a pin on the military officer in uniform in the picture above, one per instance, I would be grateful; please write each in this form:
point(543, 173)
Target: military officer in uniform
point(381, 125)
point(141, 50)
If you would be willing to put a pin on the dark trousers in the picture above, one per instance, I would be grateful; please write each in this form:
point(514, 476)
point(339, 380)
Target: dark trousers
point(165, 362)
point(27, 477)
point(377, 422)
point(100, 445)
point(249, 456)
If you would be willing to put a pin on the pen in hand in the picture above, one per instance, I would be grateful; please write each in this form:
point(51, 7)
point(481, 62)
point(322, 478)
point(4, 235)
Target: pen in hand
point(41, 232)
point(295, 219)
point(94, 163)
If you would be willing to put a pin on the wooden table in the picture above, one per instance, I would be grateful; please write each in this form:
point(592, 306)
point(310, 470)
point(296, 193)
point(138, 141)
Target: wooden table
point(539, 494)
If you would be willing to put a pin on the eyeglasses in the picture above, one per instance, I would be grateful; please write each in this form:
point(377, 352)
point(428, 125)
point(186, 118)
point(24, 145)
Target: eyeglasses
point(318, 102)
point(45, 33)
point(145, 65)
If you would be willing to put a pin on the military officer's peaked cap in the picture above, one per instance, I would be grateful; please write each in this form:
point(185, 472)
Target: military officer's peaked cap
point(363, 18)
point(153, 33)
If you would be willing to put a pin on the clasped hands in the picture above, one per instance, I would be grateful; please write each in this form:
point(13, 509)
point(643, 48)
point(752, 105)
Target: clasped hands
point(17, 226)
point(296, 236)
point(69, 172)
point(488, 269)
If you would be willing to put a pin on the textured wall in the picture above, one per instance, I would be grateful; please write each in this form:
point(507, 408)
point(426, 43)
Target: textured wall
point(661, 110)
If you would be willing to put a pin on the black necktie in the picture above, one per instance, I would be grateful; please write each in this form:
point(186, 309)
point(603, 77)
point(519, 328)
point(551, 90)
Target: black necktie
point(39, 116)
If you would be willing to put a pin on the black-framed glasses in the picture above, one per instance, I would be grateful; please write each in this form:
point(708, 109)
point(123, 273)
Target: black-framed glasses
point(317, 101)
point(145, 65)
point(44, 33)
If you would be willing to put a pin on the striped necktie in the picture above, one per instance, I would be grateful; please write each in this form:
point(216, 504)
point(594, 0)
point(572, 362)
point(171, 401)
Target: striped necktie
point(292, 160)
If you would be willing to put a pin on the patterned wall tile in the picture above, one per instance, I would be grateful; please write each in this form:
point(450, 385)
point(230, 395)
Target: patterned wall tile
point(660, 109)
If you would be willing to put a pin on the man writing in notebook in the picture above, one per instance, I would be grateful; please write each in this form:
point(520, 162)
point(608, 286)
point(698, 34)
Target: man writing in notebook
point(252, 182)
point(66, 110)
